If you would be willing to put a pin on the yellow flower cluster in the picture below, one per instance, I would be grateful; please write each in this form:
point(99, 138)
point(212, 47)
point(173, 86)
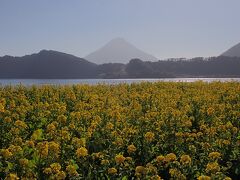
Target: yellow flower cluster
point(23, 162)
point(185, 159)
point(20, 124)
point(81, 152)
point(214, 155)
point(160, 159)
point(119, 159)
point(140, 170)
point(54, 172)
point(204, 177)
point(131, 149)
point(159, 130)
point(42, 148)
point(71, 170)
point(2, 108)
point(12, 176)
point(213, 167)
point(149, 136)
point(170, 157)
point(112, 171)
point(6, 153)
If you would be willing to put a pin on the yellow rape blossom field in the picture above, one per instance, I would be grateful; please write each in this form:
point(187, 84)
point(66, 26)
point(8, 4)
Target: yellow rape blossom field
point(159, 130)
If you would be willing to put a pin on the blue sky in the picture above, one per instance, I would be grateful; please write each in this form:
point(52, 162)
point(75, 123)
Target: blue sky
point(164, 28)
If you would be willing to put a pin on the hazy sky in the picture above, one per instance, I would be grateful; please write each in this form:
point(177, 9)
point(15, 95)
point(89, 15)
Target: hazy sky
point(164, 28)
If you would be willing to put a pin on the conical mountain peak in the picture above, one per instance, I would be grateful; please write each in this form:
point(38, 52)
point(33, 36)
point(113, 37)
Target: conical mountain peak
point(118, 40)
point(233, 51)
point(118, 50)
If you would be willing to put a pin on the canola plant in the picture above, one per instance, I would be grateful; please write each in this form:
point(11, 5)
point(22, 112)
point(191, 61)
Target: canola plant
point(162, 130)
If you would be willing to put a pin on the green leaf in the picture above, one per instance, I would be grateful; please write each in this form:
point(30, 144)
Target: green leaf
point(37, 135)
point(237, 171)
point(10, 166)
point(125, 178)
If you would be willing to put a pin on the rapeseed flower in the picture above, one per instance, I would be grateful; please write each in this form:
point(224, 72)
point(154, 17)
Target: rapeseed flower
point(131, 149)
point(119, 159)
point(112, 171)
point(170, 157)
point(81, 152)
point(185, 159)
point(149, 136)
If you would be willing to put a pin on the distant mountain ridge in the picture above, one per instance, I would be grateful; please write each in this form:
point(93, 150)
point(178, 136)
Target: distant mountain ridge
point(233, 51)
point(118, 50)
point(48, 64)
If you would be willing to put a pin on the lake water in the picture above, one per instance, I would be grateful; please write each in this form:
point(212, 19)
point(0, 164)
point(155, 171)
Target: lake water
point(28, 82)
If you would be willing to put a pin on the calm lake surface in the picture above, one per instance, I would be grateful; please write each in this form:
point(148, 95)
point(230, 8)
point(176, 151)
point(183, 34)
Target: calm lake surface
point(4, 82)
